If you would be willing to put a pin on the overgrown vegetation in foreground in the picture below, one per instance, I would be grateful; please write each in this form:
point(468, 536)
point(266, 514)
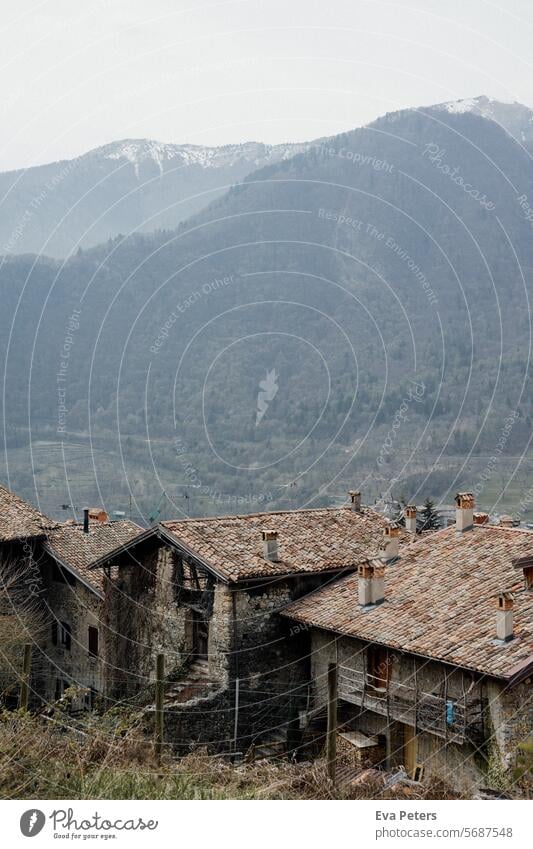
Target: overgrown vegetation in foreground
point(112, 759)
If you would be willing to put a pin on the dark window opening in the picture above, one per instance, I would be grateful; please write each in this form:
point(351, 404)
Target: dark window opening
point(66, 635)
point(378, 667)
point(54, 632)
point(61, 686)
point(93, 641)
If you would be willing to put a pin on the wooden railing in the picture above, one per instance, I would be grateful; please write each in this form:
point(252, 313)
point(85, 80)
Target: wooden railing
point(443, 716)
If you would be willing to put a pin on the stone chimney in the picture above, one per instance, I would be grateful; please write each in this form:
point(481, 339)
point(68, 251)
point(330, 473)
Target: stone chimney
point(504, 617)
point(390, 545)
point(98, 514)
point(410, 518)
point(355, 500)
point(270, 545)
point(481, 518)
point(506, 522)
point(371, 583)
point(86, 521)
point(464, 511)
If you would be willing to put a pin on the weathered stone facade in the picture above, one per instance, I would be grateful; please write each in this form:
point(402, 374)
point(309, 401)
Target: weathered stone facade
point(150, 608)
point(61, 611)
point(497, 719)
point(73, 611)
point(253, 656)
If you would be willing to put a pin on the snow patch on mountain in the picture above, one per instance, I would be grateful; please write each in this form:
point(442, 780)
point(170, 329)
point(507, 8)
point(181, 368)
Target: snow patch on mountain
point(138, 151)
point(487, 107)
point(512, 116)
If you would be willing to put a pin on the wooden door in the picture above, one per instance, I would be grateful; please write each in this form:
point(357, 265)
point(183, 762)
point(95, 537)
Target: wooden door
point(378, 667)
point(410, 749)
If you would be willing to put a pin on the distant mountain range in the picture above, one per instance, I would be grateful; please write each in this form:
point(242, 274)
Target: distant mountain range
point(126, 186)
point(141, 185)
point(377, 283)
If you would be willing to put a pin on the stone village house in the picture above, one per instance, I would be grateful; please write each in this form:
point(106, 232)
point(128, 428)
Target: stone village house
point(432, 636)
point(433, 651)
point(52, 599)
point(207, 594)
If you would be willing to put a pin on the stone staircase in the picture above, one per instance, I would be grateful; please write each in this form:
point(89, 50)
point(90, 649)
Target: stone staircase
point(272, 744)
point(195, 684)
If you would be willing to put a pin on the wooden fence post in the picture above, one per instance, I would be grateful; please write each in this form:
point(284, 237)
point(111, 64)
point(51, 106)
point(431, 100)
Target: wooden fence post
point(159, 706)
point(236, 716)
point(25, 680)
point(331, 740)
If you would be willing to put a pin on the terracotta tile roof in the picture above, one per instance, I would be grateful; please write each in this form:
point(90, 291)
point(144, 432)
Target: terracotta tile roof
point(314, 540)
point(69, 545)
point(20, 520)
point(439, 601)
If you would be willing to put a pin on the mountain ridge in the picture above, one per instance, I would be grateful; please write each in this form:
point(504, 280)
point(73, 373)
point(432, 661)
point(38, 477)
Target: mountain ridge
point(317, 268)
point(143, 185)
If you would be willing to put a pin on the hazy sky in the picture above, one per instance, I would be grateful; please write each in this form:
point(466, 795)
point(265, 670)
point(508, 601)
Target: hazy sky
point(77, 74)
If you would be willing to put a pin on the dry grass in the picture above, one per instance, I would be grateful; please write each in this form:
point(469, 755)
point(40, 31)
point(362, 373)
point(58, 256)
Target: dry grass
point(112, 759)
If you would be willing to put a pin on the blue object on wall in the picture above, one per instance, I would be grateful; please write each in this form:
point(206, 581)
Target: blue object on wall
point(450, 718)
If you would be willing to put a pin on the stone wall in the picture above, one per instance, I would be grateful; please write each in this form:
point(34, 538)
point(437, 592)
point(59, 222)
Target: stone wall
point(143, 619)
point(511, 720)
point(72, 602)
point(149, 608)
point(270, 661)
point(206, 721)
point(52, 597)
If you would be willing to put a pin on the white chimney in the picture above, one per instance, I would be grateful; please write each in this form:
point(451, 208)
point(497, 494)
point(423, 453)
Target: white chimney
point(355, 499)
point(371, 583)
point(390, 545)
point(504, 617)
point(410, 518)
point(270, 545)
point(464, 511)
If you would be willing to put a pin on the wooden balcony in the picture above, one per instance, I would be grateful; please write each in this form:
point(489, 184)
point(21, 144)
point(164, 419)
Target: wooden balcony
point(455, 719)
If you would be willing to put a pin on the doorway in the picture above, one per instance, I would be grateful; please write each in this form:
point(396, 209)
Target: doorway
point(200, 635)
point(410, 750)
point(378, 668)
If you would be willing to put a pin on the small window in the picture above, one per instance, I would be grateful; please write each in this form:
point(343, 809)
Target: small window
point(93, 641)
point(54, 632)
point(66, 635)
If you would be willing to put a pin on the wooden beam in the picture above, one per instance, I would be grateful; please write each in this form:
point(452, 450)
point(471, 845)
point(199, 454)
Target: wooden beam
point(159, 706)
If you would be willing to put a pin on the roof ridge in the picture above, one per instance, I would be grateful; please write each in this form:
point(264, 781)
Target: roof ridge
point(343, 507)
